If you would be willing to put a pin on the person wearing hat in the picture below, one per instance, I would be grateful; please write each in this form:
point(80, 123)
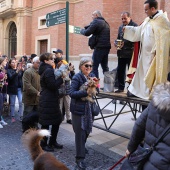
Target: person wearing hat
point(65, 100)
point(58, 56)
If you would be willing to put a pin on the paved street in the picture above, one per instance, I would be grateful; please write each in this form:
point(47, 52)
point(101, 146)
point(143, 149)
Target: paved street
point(105, 149)
point(13, 156)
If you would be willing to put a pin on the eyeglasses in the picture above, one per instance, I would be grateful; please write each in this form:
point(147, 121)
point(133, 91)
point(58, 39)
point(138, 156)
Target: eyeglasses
point(88, 65)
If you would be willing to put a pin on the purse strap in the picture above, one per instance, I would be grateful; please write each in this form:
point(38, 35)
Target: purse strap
point(162, 135)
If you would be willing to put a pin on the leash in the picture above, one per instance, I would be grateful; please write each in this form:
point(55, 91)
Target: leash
point(117, 163)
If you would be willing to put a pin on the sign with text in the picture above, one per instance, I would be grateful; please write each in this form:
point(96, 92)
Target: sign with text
point(74, 29)
point(56, 17)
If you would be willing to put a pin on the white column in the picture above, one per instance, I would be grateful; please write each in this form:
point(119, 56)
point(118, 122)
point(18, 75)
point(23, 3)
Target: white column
point(20, 35)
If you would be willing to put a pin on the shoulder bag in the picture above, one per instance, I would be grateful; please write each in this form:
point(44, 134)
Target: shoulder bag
point(137, 159)
point(94, 38)
point(95, 109)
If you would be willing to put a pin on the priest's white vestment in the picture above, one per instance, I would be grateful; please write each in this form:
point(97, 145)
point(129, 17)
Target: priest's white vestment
point(154, 37)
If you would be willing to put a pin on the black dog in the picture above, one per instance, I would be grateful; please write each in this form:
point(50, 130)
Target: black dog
point(30, 121)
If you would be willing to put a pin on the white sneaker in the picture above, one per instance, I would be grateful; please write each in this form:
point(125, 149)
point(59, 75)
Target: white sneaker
point(3, 122)
point(1, 126)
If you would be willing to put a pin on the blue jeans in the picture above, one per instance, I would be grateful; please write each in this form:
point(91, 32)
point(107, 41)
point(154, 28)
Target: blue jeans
point(1, 104)
point(100, 56)
point(12, 103)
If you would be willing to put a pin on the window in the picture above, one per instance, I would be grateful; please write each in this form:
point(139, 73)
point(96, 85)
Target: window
point(42, 22)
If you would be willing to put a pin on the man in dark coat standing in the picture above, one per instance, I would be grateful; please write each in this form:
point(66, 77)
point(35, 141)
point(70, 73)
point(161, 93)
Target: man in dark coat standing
point(125, 52)
point(101, 29)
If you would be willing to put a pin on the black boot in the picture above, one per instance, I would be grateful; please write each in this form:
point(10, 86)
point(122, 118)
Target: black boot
point(81, 164)
point(48, 148)
point(44, 145)
point(56, 145)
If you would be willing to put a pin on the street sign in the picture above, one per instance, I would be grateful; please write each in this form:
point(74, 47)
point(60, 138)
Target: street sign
point(56, 17)
point(77, 30)
point(74, 29)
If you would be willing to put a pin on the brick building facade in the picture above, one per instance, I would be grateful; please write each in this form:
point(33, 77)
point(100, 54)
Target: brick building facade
point(23, 29)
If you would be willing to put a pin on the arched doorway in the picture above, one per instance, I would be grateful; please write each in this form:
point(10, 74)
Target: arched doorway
point(12, 51)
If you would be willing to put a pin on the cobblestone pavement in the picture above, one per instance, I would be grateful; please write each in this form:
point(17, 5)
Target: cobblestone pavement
point(13, 156)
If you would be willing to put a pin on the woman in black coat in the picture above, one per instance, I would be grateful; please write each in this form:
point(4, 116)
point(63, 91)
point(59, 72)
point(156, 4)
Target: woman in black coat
point(151, 123)
point(82, 119)
point(49, 110)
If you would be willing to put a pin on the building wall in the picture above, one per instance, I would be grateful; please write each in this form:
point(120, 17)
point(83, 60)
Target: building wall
point(80, 15)
point(27, 14)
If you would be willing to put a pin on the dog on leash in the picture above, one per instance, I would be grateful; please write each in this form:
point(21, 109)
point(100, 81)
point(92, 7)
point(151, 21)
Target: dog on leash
point(42, 160)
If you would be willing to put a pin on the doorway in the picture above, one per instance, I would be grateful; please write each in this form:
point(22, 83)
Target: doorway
point(43, 46)
point(12, 51)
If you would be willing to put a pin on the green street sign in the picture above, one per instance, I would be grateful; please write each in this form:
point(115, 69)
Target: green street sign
point(77, 30)
point(74, 29)
point(56, 17)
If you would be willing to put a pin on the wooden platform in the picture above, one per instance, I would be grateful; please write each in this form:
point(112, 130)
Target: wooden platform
point(134, 104)
point(123, 97)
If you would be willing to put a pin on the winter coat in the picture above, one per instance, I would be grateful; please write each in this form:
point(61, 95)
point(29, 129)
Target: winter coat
point(100, 28)
point(14, 81)
point(31, 87)
point(77, 105)
point(127, 49)
point(149, 126)
point(49, 109)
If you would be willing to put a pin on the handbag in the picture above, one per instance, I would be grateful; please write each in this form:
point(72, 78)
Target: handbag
point(137, 159)
point(93, 41)
point(94, 38)
point(62, 91)
point(95, 109)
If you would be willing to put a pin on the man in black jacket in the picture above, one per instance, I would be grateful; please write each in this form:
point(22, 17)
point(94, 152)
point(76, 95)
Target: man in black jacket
point(125, 53)
point(99, 28)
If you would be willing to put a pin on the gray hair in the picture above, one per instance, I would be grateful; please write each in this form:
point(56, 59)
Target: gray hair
point(98, 13)
point(35, 59)
point(161, 96)
point(85, 60)
point(29, 65)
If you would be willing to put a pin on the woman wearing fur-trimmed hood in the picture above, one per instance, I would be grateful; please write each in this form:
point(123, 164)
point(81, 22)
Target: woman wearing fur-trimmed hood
point(150, 124)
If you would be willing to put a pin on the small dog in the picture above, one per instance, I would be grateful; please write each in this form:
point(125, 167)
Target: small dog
point(64, 71)
point(6, 109)
point(42, 160)
point(90, 86)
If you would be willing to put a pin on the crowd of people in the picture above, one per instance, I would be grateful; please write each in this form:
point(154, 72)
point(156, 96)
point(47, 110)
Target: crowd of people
point(12, 71)
point(38, 82)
